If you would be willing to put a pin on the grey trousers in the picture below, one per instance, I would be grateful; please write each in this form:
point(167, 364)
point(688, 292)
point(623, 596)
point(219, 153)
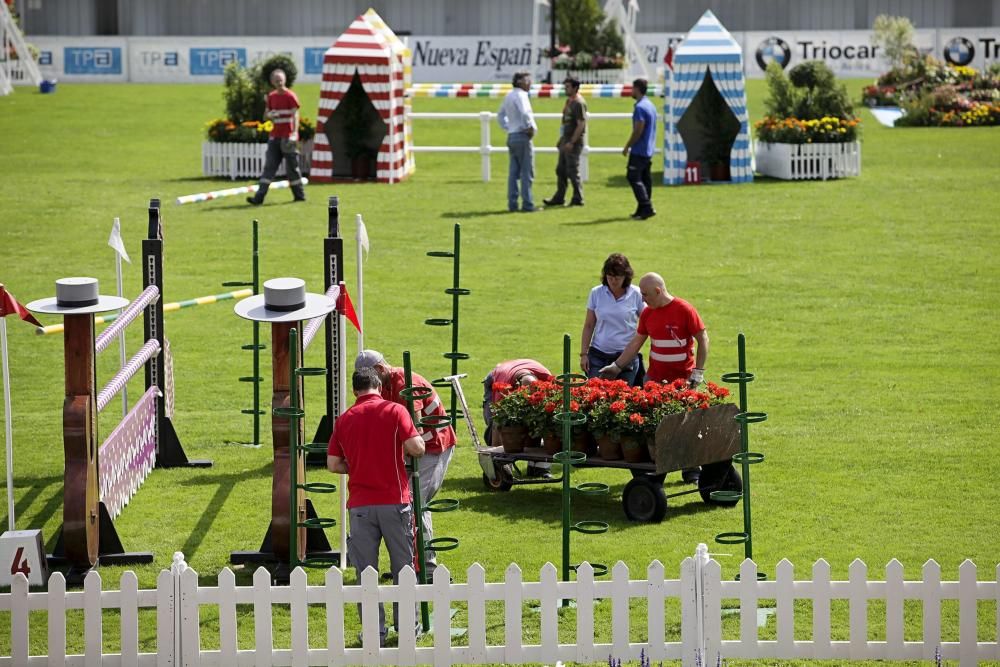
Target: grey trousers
point(372, 524)
point(432, 471)
point(568, 172)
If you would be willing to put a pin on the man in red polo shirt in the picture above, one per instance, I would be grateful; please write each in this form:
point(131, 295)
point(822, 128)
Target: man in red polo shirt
point(673, 327)
point(370, 444)
point(439, 443)
point(283, 140)
point(513, 374)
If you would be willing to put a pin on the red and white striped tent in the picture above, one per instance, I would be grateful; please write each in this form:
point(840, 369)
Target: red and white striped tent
point(383, 64)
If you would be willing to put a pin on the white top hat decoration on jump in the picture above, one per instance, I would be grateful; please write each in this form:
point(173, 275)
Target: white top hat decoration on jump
point(77, 296)
point(285, 300)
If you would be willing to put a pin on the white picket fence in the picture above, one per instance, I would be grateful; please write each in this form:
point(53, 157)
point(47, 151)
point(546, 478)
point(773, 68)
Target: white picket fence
point(244, 160)
point(808, 161)
point(179, 600)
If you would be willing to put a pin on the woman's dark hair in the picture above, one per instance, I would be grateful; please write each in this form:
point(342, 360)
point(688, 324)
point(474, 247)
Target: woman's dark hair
point(617, 265)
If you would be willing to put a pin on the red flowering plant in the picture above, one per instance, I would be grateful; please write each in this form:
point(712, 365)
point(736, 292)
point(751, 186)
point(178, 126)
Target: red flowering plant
point(596, 399)
point(513, 406)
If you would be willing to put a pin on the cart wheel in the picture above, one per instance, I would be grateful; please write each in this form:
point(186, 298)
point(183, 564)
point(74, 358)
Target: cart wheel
point(504, 479)
point(659, 478)
point(720, 476)
point(644, 500)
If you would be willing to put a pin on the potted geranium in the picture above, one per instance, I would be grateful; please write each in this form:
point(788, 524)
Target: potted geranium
point(810, 130)
point(511, 416)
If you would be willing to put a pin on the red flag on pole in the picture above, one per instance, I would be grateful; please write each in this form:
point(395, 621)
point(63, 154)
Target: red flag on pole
point(345, 306)
point(10, 306)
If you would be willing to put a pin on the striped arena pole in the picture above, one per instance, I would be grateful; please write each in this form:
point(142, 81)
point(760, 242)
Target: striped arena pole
point(167, 307)
point(231, 192)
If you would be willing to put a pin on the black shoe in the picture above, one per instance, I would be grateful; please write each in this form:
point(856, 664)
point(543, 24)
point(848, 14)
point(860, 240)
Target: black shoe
point(538, 473)
point(554, 202)
point(691, 475)
point(643, 215)
point(253, 202)
point(299, 199)
point(576, 202)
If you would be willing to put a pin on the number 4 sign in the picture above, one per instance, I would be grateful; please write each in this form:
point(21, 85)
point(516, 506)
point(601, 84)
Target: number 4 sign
point(22, 551)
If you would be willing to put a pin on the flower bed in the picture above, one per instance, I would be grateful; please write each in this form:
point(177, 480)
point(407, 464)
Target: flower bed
point(793, 162)
point(932, 93)
point(614, 410)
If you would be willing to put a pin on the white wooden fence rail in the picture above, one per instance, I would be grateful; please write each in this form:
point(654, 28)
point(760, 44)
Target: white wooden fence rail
point(486, 149)
point(179, 600)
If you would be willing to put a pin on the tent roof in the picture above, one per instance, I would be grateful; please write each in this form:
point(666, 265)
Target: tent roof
point(708, 42)
point(362, 43)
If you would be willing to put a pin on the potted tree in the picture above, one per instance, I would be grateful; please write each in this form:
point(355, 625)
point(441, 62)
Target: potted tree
point(810, 130)
point(591, 46)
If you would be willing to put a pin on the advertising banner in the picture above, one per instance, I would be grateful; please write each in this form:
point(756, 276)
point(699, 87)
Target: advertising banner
point(481, 58)
point(90, 59)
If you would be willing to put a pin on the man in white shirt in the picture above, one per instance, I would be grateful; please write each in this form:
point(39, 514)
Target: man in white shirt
point(518, 121)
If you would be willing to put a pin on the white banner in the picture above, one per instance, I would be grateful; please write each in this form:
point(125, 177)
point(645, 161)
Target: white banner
point(484, 58)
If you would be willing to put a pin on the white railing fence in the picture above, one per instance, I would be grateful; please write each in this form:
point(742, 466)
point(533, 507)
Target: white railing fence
point(486, 149)
point(236, 160)
point(180, 601)
point(808, 161)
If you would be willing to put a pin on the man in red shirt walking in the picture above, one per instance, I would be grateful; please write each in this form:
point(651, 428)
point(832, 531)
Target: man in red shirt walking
point(439, 443)
point(283, 141)
point(370, 444)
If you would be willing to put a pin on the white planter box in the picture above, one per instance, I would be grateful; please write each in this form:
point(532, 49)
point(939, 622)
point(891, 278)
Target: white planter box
point(590, 75)
point(244, 160)
point(793, 162)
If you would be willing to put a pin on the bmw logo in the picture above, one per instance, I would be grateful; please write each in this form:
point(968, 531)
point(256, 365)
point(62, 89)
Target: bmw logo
point(776, 49)
point(959, 51)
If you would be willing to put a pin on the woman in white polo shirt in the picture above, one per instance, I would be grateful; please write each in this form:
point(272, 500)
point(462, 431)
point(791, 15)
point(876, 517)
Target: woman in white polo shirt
point(612, 314)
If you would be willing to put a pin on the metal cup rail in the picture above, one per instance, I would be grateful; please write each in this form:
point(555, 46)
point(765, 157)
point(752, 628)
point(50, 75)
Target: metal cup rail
point(456, 291)
point(569, 418)
point(256, 346)
point(294, 413)
point(744, 458)
point(411, 394)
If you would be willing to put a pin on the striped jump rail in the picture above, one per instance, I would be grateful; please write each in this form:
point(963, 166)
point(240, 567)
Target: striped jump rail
point(167, 308)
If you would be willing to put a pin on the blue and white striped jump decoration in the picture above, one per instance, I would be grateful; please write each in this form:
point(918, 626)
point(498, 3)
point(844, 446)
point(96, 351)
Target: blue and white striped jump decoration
point(708, 47)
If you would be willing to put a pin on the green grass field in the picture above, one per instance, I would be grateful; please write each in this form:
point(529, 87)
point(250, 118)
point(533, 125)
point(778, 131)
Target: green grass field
point(870, 307)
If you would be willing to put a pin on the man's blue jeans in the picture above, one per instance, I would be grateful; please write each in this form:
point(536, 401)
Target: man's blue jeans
point(522, 168)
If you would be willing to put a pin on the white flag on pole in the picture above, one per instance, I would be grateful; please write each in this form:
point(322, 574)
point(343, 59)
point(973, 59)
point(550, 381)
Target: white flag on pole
point(115, 241)
point(362, 235)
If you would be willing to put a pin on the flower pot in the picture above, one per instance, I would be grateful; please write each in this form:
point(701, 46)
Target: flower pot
point(552, 442)
point(513, 437)
point(634, 449)
point(808, 161)
point(609, 448)
point(651, 447)
point(582, 441)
